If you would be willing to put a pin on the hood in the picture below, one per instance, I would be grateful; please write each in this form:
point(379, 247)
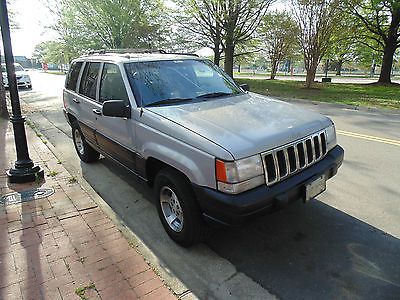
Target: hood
point(245, 124)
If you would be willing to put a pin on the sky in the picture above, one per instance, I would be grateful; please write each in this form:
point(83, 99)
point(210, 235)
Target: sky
point(33, 18)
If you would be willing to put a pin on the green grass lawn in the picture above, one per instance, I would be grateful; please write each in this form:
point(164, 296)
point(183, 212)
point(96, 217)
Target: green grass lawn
point(353, 94)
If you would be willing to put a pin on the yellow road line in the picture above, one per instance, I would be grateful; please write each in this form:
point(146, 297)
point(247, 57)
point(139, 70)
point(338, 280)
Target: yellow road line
point(369, 137)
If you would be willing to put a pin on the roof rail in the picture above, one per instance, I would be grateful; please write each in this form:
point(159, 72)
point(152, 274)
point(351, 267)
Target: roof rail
point(179, 53)
point(128, 50)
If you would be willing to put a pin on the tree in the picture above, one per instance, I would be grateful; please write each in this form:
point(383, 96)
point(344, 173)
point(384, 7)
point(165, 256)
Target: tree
point(239, 20)
point(51, 52)
point(245, 53)
point(380, 20)
point(99, 24)
point(224, 24)
point(317, 22)
point(366, 58)
point(279, 34)
point(343, 43)
point(200, 23)
point(341, 53)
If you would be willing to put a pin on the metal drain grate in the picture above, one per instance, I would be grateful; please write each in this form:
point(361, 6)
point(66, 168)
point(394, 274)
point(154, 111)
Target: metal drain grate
point(18, 197)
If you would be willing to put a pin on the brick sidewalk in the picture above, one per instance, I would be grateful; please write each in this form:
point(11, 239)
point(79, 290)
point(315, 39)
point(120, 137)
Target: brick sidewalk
point(63, 246)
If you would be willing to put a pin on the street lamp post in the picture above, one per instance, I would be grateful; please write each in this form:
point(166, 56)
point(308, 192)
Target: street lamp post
point(326, 78)
point(24, 169)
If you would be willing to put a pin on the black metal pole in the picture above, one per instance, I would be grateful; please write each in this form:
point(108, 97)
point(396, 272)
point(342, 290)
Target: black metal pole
point(24, 169)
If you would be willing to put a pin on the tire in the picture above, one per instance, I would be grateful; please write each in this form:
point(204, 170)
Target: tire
point(177, 208)
point(85, 152)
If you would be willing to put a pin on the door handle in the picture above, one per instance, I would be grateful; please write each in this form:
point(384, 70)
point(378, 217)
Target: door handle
point(97, 111)
point(75, 100)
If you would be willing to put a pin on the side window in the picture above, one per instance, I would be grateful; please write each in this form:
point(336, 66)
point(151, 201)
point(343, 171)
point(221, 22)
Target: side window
point(72, 77)
point(89, 80)
point(112, 86)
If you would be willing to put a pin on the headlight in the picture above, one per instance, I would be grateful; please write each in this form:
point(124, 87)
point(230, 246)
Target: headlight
point(330, 137)
point(240, 175)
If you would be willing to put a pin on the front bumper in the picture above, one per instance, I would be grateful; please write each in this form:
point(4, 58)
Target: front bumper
point(20, 83)
point(235, 209)
point(24, 83)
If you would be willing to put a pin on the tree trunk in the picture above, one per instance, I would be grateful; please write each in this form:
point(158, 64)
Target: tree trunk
point(274, 67)
point(239, 68)
point(387, 62)
point(217, 55)
point(228, 63)
point(311, 75)
point(3, 103)
point(217, 44)
point(339, 67)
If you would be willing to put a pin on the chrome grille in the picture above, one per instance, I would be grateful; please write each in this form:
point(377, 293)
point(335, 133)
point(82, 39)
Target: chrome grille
point(284, 161)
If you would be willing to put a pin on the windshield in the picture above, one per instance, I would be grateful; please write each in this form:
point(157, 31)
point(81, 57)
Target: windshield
point(17, 67)
point(156, 81)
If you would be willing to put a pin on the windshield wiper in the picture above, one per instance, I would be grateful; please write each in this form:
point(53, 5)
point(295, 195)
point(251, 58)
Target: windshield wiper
point(168, 101)
point(214, 95)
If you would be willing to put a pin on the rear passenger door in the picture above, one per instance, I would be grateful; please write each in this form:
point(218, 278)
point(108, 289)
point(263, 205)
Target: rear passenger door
point(115, 135)
point(89, 108)
point(70, 90)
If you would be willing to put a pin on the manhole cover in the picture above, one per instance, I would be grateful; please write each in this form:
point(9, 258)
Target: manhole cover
point(18, 197)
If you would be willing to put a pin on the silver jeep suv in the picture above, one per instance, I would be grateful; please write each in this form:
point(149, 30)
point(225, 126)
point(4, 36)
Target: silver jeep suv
point(211, 150)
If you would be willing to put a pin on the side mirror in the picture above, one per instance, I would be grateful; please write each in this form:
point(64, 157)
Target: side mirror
point(245, 87)
point(116, 108)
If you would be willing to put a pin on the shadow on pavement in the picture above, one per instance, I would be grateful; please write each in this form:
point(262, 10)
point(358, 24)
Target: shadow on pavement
point(314, 252)
point(311, 251)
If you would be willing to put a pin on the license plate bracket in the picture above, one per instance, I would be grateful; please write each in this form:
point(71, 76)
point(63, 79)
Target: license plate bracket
point(314, 187)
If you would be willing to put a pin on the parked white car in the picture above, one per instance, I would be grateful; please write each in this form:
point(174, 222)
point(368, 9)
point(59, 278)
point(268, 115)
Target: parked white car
point(23, 78)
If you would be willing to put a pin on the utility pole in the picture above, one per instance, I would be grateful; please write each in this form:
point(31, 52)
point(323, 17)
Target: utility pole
point(24, 169)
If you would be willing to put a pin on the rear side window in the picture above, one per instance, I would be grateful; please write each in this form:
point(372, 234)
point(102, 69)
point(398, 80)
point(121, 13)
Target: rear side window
point(72, 77)
point(112, 86)
point(89, 80)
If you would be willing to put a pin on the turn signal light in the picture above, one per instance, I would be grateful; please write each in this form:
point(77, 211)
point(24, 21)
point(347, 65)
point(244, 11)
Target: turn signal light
point(220, 170)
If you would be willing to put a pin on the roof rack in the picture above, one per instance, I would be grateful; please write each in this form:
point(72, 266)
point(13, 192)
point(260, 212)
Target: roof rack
point(179, 53)
point(128, 50)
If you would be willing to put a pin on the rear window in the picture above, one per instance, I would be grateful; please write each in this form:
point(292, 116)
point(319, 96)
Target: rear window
point(72, 76)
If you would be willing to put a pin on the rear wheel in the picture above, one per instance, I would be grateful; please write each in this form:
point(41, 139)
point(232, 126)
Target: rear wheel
point(177, 208)
point(85, 152)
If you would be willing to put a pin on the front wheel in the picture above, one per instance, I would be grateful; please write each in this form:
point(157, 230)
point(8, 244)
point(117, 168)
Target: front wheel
point(85, 152)
point(177, 208)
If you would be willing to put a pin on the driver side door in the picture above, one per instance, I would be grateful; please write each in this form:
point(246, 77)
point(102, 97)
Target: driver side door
point(115, 135)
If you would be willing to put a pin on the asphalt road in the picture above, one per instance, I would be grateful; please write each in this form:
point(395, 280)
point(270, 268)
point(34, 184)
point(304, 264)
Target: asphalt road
point(343, 244)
